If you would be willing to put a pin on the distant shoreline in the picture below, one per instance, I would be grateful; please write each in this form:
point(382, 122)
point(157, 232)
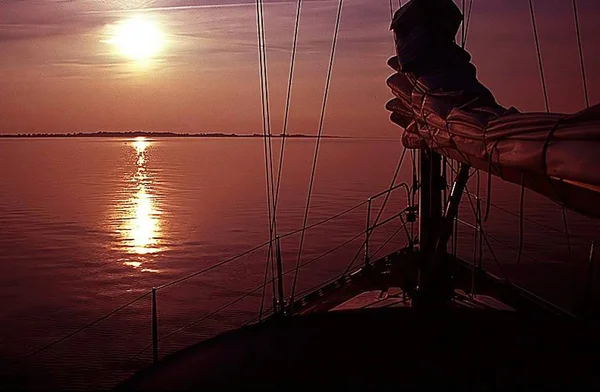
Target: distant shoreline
point(157, 134)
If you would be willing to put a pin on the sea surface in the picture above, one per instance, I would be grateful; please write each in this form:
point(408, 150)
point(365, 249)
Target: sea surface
point(90, 224)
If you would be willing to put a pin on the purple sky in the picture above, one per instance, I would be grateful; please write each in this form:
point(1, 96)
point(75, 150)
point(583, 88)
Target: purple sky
point(58, 74)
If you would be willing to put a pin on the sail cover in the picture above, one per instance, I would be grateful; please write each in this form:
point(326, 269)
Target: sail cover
point(442, 106)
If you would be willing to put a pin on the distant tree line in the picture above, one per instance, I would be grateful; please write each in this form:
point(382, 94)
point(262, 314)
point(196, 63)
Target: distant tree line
point(129, 134)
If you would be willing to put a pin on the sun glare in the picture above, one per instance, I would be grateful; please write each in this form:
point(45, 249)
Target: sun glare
point(140, 216)
point(137, 39)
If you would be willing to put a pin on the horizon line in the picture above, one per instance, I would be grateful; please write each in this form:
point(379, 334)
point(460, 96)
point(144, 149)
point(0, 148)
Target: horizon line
point(158, 134)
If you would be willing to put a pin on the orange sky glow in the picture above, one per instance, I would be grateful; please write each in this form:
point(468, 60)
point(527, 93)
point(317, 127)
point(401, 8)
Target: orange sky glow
point(62, 70)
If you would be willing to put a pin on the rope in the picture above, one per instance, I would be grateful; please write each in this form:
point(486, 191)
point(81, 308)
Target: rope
point(319, 134)
point(581, 60)
point(539, 55)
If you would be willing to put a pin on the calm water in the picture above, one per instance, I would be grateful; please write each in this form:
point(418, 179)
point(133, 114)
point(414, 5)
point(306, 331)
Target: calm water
point(89, 224)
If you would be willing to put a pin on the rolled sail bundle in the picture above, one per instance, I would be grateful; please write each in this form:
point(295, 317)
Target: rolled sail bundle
point(442, 106)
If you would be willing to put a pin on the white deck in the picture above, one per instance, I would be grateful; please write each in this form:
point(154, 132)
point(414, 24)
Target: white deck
point(394, 298)
point(375, 299)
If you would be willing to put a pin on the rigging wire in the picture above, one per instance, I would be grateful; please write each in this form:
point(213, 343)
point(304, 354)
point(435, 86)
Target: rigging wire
point(477, 251)
point(547, 108)
point(194, 322)
point(400, 161)
point(91, 324)
point(266, 120)
point(521, 216)
point(539, 55)
point(545, 92)
point(580, 50)
point(287, 104)
point(264, 91)
point(463, 27)
point(387, 241)
point(480, 217)
point(247, 294)
point(276, 188)
point(212, 267)
point(354, 207)
point(584, 239)
point(264, 288)
point(469, 11)
point(207, 269)
point(415, 187)
point(455, 232)
point(267, 102)
point(466, 10)
point(318, 142)
point(585, 92)
point(392, 185)
point(487, 241)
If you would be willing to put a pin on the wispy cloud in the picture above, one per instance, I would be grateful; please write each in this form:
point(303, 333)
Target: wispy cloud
point(211, 56)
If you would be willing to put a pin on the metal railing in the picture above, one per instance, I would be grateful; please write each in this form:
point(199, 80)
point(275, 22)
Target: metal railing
point(367, 246)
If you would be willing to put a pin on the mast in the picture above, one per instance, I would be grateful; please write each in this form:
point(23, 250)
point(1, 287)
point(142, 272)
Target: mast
point(435, 228)
point(430, 217)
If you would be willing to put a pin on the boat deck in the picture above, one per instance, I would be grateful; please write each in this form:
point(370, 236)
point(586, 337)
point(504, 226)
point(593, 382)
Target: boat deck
point(375, 347)
point(395, 297)
point(361, 330)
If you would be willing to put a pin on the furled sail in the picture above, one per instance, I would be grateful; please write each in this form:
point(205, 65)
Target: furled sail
point(441, 105)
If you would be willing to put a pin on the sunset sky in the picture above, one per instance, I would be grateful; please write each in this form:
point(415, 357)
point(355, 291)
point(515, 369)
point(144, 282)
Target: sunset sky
point(61, 69)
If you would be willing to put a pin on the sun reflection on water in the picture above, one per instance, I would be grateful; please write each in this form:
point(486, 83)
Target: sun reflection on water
point(141, 223)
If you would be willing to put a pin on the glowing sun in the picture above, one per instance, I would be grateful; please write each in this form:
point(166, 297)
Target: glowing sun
point(137, 39)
